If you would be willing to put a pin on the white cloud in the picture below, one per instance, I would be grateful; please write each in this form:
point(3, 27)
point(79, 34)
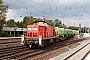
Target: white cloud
point(13, 14)
point(37, 0)
point(37, 7)
point(66, 2)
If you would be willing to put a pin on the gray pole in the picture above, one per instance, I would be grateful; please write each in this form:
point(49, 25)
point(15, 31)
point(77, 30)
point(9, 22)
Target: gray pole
point(54, 23)
point(14, 26)
point(80, 28)
point(14, 31)
point(30, 15)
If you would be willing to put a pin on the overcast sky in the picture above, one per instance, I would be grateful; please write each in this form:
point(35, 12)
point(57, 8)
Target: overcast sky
point(71, 12)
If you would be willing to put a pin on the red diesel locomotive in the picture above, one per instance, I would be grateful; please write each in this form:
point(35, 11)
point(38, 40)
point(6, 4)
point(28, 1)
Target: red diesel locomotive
point(39, 34)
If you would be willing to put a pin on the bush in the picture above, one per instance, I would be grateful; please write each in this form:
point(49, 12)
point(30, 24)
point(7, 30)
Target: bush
point(3, 33)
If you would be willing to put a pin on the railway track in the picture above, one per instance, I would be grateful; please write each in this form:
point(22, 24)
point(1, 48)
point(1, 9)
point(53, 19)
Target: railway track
point(9, 42)
point(24, 53)
point(76, 55)
point(87, 56)
point(84, 58)
point(41, 51)
point(6, 53)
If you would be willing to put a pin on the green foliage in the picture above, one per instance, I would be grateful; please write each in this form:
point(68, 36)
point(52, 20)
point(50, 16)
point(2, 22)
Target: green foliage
point(3, 10)
point(3, 33)
point(51, 23)
point(19, 24)
point(57, 23)
point(2, 21)
point(10, 23)
point(29, 20)
point(25, 19)
point(1, 27)
point(0, 1)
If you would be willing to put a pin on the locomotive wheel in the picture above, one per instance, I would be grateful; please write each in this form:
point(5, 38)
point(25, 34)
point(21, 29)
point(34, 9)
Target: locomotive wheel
point(45, 43)
point(25, 43)
point(54, 40)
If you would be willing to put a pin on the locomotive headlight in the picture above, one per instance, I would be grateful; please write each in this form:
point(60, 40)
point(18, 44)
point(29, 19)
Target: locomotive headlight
point(32, 28)
point(35, 29)
point(29, 28)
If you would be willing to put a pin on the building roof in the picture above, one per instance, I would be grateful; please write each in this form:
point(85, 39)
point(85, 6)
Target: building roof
point(13, 29)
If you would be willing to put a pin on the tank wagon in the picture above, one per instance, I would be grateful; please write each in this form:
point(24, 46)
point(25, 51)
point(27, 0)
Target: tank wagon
point(59, 31)
point(40, 33)
point(64, 33)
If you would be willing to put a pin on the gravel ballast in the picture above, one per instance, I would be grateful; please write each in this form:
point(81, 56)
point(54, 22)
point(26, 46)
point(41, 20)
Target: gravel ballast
point(71, 51)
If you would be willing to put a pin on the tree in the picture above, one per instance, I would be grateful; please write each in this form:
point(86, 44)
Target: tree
point(3, 33)
point(19, 24)
point(25, 20)
point(46, 20)
point(0, 1)
point(2, 21)
point(58, 23)
point(11, 23)
point(30, 21)
point(3, 10)
point(36, 19)
point(51, 23)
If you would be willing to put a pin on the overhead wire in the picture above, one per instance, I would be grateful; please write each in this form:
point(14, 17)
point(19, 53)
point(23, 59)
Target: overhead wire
point(15, 5)
point(86, 3)
point(67, 7)
point(18, 8)
point(82, 7)
point(33, 7)
point(42, 4)
point(36, 8)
